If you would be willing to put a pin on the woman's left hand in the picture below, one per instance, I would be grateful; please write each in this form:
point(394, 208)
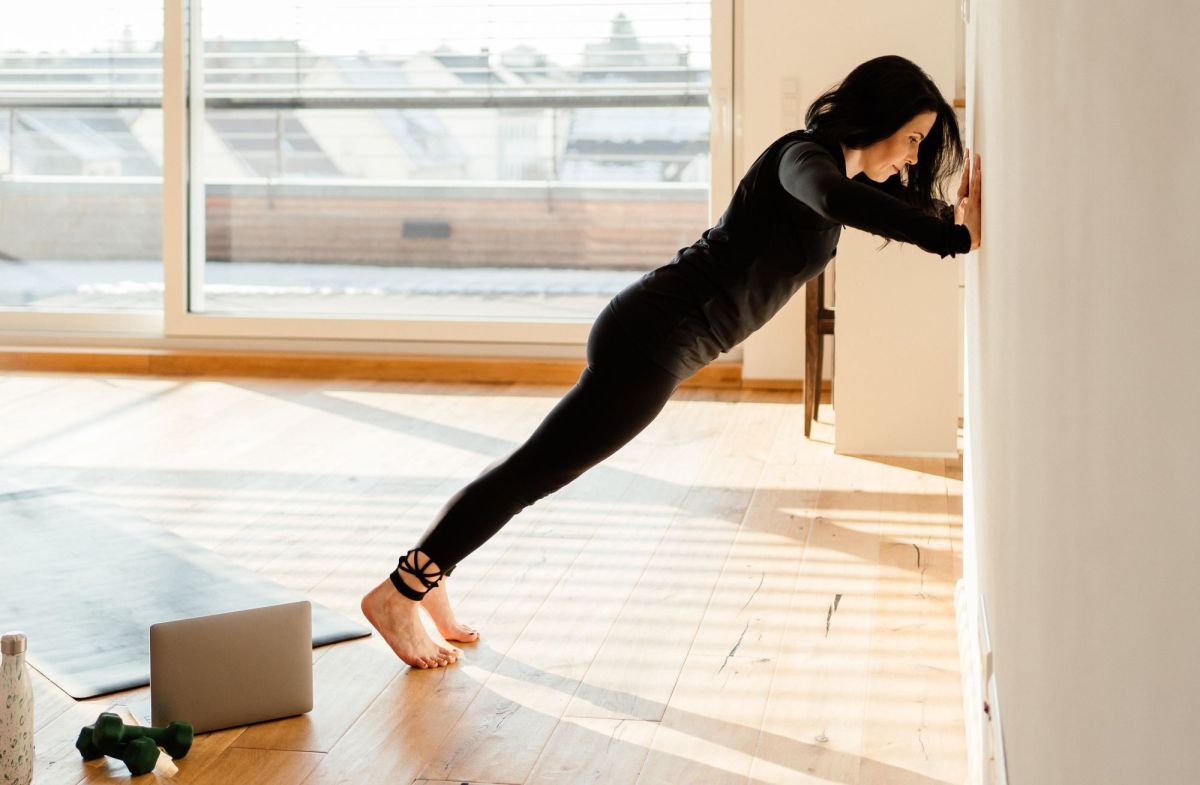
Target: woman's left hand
point(968, 209)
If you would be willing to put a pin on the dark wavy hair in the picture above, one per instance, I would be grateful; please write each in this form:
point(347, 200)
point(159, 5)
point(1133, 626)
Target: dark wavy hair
point(873, 102)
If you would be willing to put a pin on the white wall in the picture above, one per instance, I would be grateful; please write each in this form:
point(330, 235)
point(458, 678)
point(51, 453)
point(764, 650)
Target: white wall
point(897, 316)
point(897, 324)
point(1083, 366)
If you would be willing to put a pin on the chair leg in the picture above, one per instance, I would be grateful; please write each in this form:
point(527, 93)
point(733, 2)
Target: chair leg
point(817, 382)
point(812, 352)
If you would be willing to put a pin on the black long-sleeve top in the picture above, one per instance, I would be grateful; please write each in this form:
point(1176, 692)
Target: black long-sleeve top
point(780, 229)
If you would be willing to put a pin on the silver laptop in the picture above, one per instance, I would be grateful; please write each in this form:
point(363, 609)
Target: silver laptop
point(232, 668)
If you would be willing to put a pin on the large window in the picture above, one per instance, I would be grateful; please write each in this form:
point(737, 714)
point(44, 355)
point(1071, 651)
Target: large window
point(450, 160)
point(81, 156)
point(382, 160)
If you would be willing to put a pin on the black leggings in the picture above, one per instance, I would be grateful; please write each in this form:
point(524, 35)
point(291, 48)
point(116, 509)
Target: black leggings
point(618, 394)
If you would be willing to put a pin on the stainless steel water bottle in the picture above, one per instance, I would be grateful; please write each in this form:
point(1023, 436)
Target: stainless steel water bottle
point(16, 712)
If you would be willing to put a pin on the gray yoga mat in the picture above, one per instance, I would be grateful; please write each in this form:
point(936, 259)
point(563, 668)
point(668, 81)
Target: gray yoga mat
point(85, 579)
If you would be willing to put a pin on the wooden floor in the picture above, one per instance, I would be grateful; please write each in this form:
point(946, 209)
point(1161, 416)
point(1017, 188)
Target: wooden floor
point(722, 601)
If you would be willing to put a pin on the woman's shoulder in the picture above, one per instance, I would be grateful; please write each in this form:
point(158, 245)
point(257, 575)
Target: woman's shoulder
point(804, 141)
point(790, 150)
point(797, 148)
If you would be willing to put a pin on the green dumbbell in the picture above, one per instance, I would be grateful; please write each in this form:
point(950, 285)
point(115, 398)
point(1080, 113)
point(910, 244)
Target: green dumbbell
point(109, 732)
point(87, 748)
point(139, 755)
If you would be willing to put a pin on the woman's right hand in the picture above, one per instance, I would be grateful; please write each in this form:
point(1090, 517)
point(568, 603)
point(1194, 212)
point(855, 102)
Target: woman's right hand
point(969, 210)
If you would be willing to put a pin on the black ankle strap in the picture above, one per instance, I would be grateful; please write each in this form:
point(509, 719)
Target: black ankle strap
point(428, 578)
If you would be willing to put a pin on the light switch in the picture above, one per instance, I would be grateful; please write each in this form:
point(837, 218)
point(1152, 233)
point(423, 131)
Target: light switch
point(789, 104)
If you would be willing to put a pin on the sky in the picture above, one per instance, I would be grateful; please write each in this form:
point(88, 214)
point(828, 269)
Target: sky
point(557, 27)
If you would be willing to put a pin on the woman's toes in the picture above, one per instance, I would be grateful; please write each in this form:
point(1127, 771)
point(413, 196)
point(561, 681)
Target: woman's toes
point(460, 633)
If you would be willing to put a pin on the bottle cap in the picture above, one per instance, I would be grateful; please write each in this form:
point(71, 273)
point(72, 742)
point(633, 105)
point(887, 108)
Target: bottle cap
point(12, 643)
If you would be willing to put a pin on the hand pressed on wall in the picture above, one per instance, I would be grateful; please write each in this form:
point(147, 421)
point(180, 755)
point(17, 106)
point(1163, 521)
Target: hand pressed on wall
point(968, 209)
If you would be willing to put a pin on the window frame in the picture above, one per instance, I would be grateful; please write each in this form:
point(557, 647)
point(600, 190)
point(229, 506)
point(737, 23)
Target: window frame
point(179, 326)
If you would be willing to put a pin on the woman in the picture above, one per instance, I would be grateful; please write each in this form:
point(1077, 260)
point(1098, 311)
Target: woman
point(856, 164)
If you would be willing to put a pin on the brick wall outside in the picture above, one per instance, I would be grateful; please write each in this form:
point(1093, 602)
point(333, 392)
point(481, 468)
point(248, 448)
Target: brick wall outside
point(616, 229)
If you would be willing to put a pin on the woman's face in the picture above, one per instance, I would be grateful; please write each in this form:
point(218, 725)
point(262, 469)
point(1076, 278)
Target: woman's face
point(889, 156)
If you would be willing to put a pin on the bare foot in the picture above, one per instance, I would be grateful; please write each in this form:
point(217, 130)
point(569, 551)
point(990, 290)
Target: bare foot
point(437, 605)
point(395, 617)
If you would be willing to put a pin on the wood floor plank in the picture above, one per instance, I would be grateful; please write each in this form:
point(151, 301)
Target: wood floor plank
point(954, 513)
point(501, 602)
point(635, 669)
point(913, 730)
point(57, 760)
point(165, 458)
point(502, 733)
point(397, 734)
point(588, 751)
point(721, 601)
point(245, 472)
point(16, 389)
point(711, 727)
point(262, 767)
point(78, 411)
point(709, 731)
point(812, 725)
point(206, 749)
point(748, 612)
point(658, 501)
point(48, 699)
point(388, 505)
point(688, 745)
point(352, 677)
point(366, 442)
point(472, 431)
point(345, 681)
point(322, 488)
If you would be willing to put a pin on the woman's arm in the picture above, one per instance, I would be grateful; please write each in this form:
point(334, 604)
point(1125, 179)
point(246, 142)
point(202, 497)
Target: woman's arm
point(808, 173)
point(895, 188)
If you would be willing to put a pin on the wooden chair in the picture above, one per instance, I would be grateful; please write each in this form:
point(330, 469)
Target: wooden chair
point(818, 322)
